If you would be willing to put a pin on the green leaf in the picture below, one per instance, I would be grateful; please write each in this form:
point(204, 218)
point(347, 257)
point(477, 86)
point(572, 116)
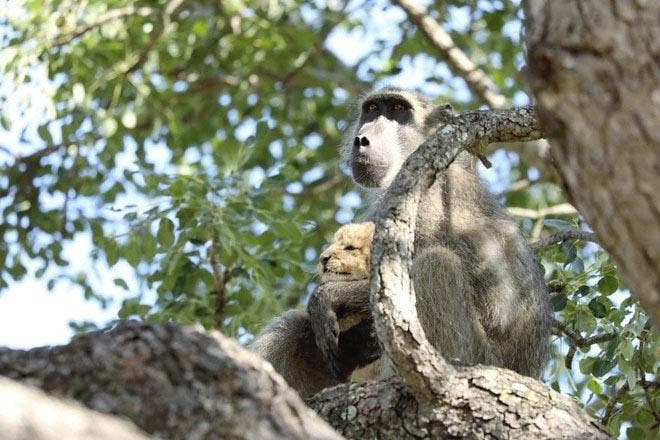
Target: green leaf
point(132, 307)
point(627, 349)
point(558, 301)
point(600, 306)
point(583, 291)
point(608, 285)
point(587, 365)
point(165, 233)
point(594, 386)
point(635, 433)
point(644, 417)
point(602, 366)
point(121, 283)
point(111, 252)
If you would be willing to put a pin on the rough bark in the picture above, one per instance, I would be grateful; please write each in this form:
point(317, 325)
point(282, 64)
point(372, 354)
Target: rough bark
point(595, 72)
point(482, 402)
point(29, 414)
point(171, 382)
point(177, 383)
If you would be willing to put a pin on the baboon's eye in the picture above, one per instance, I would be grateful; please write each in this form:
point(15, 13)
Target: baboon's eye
point(371, 108)
point(350, 248)
point(398, 107)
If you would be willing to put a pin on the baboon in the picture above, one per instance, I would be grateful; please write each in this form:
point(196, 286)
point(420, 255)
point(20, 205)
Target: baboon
point(480, 293)
point(288, 342)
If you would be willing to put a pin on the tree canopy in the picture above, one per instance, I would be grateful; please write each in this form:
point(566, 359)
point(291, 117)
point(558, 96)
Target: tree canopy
point(197, 143)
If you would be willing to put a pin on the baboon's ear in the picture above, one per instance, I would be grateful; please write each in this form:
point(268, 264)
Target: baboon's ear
point(442, 114)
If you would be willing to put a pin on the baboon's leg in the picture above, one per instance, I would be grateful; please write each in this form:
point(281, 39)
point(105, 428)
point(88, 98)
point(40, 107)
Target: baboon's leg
point(446, 311)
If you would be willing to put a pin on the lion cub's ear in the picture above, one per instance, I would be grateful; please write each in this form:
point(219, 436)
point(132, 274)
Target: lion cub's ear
point(362, 231)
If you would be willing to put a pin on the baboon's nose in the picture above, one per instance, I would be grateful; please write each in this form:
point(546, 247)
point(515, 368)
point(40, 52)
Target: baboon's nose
point(360, 141)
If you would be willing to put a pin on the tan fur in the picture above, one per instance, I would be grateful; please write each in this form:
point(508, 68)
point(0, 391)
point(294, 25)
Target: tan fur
point(347, 257)
point(344, 263)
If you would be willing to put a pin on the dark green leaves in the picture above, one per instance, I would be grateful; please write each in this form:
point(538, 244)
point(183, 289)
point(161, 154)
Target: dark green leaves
point(166, 233)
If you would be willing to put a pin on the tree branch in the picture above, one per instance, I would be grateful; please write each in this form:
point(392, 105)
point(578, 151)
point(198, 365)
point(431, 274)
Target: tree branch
point(561, 209)
point(483, 402)
point(476, 79)
point(603, 131)
point(576, 341)
point(171, 382)
point(28, 413)
point(558, 237)
point(178, 383)
point(112, 14)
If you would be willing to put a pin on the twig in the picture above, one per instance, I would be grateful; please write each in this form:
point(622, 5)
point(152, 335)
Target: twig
point(113, 14)
point(576, 341)
point(477, 81)
point(558, 237)
point(516, 186)
point(642, 377)
point(221, 280)
point(8, 151)
point(561, 209)
point(612, 402)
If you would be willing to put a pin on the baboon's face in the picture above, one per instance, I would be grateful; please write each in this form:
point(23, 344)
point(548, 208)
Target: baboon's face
point(387, 131)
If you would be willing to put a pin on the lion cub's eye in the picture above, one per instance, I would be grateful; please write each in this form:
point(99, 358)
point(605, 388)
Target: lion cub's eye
point(350, 248)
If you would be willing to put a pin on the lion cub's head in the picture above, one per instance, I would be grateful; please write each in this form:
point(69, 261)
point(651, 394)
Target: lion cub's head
point(347, 257)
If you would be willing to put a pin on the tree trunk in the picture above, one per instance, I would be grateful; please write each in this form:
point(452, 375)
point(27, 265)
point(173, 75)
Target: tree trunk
point(595, 73)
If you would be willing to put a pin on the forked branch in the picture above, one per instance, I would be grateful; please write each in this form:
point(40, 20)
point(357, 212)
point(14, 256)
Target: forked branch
point(393, 296)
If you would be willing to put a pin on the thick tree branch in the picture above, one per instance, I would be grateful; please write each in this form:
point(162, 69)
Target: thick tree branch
point(482, 402)
point(476, 79)
point(28, 413)
point(171, 382)
point(178, 383)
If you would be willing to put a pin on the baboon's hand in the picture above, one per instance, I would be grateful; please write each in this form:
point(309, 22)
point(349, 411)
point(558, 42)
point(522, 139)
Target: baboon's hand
point(326, 331)
point(344, 350)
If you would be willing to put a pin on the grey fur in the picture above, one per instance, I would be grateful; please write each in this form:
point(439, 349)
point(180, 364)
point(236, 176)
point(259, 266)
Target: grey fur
point(288, 341)
point(480, 293)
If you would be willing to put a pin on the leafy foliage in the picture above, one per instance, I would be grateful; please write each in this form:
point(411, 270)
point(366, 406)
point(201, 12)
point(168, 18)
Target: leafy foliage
point(196, 143)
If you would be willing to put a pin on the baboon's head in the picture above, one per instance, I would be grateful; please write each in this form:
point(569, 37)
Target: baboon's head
point(347, 257)
point(390, 125)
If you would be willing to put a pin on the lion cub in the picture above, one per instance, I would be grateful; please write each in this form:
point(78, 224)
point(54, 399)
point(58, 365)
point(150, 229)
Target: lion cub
point(347, 259)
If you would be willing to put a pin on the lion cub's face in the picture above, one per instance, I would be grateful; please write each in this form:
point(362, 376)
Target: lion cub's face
point(347, 257)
